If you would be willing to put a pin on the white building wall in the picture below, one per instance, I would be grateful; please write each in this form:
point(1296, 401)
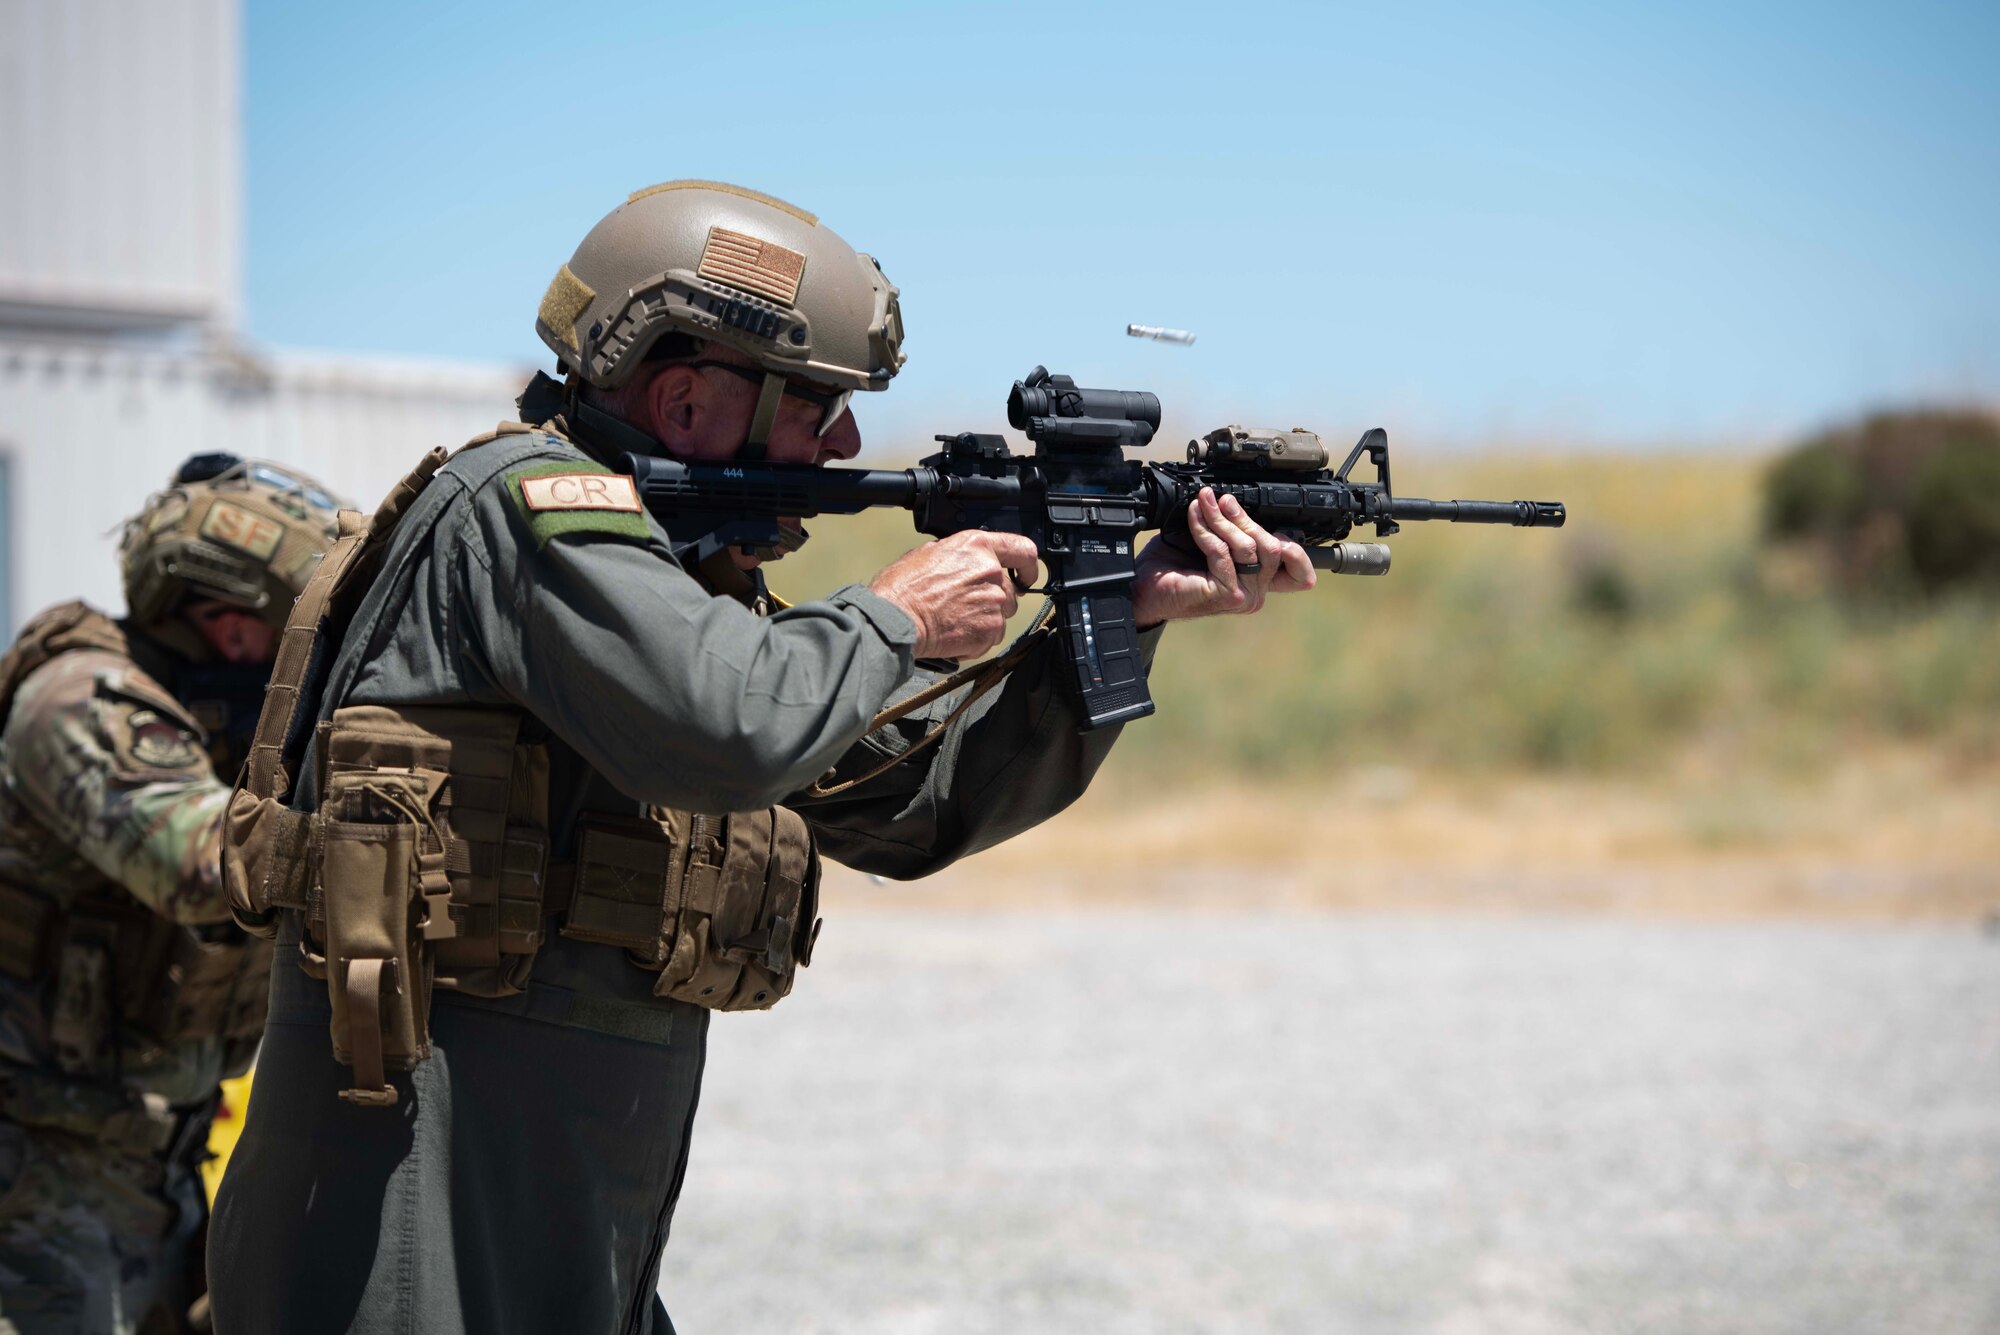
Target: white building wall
point(120, 298)
point(91, 430)
point(120, 151)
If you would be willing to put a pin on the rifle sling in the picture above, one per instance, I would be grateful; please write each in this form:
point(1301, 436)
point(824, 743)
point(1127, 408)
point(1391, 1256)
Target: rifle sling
point(983, 677)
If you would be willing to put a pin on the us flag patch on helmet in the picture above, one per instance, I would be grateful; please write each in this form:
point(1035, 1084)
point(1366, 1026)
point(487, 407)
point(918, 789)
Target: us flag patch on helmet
point(753, 264)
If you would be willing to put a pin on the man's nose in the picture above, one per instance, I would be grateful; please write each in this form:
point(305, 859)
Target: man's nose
point(842, 442)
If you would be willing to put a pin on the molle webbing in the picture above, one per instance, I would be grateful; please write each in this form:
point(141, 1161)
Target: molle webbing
point(176, 984)
point(268, 843)
point(725, 908)
point(166, 982)
point(429, 845)
point(483, 850)
point(30, 932)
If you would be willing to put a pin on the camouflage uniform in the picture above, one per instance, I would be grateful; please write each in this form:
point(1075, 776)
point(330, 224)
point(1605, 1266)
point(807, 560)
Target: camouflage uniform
point(107, 798)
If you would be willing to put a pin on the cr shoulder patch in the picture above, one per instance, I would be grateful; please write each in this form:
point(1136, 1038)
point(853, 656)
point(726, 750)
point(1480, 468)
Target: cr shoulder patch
point(577, 496)
point(580, 491)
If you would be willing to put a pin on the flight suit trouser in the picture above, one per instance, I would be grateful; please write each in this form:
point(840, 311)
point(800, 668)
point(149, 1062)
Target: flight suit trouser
point(524, 1181)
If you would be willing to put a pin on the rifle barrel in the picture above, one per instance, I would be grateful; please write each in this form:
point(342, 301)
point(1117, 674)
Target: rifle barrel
point(1520, 514)
point(769, 489)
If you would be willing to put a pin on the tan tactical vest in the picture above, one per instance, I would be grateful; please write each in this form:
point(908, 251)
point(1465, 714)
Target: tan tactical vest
point(426, 861)
point(172, 984)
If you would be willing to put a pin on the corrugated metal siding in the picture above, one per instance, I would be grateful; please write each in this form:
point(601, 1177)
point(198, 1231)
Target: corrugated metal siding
point(121, 159)
point(93, 430)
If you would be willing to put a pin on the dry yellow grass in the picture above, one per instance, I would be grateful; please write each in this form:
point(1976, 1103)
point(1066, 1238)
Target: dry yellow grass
point(1894, 834)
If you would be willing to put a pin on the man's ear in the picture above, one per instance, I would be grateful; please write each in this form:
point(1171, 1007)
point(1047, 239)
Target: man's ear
point(675, 401)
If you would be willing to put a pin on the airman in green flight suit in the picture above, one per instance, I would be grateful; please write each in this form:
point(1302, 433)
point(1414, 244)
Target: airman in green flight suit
point(523, 1177)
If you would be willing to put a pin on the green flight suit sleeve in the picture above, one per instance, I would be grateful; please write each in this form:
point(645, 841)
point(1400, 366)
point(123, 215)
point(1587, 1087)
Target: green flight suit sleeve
point(1012, 761)
point(108, 762)
point(678, 698)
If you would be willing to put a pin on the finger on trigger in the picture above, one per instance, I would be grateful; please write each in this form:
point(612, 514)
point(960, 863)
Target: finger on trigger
point(1016, 551)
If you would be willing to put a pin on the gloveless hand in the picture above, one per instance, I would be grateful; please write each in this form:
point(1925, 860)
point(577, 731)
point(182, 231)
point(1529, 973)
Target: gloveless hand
point(1235, 564)
point(960, 590)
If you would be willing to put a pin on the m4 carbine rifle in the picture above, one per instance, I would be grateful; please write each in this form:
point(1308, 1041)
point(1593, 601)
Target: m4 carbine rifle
point(1081, 501)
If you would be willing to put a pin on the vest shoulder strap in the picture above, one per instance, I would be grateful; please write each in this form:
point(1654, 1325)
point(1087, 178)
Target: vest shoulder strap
point(320, 615)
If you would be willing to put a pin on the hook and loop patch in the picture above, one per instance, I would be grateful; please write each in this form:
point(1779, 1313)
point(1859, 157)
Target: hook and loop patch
point(577, 497)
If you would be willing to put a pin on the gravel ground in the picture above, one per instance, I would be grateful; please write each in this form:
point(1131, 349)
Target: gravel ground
point(1177, 1121)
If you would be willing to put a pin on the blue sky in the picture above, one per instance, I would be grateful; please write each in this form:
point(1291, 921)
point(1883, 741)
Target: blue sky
point(1698, 223)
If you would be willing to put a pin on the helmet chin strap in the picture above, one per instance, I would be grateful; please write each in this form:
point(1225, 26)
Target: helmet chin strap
point(769, 396)
point(766, 417)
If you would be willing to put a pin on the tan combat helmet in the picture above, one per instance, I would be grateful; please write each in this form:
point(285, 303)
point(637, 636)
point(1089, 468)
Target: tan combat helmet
point(242, 531)
point(730, 266)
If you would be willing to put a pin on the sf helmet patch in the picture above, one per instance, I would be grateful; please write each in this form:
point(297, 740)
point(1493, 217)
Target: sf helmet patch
point(246, 532)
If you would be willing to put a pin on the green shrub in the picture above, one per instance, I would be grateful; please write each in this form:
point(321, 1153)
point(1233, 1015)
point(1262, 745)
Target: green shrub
point(1897, 495)
point(1600, 585)
point(1954, 513)
point(1815, 490)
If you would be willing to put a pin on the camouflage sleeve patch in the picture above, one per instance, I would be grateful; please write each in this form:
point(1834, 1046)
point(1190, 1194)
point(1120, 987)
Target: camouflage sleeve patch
point(106, 759)
point(149, 734)
point(576, 496)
